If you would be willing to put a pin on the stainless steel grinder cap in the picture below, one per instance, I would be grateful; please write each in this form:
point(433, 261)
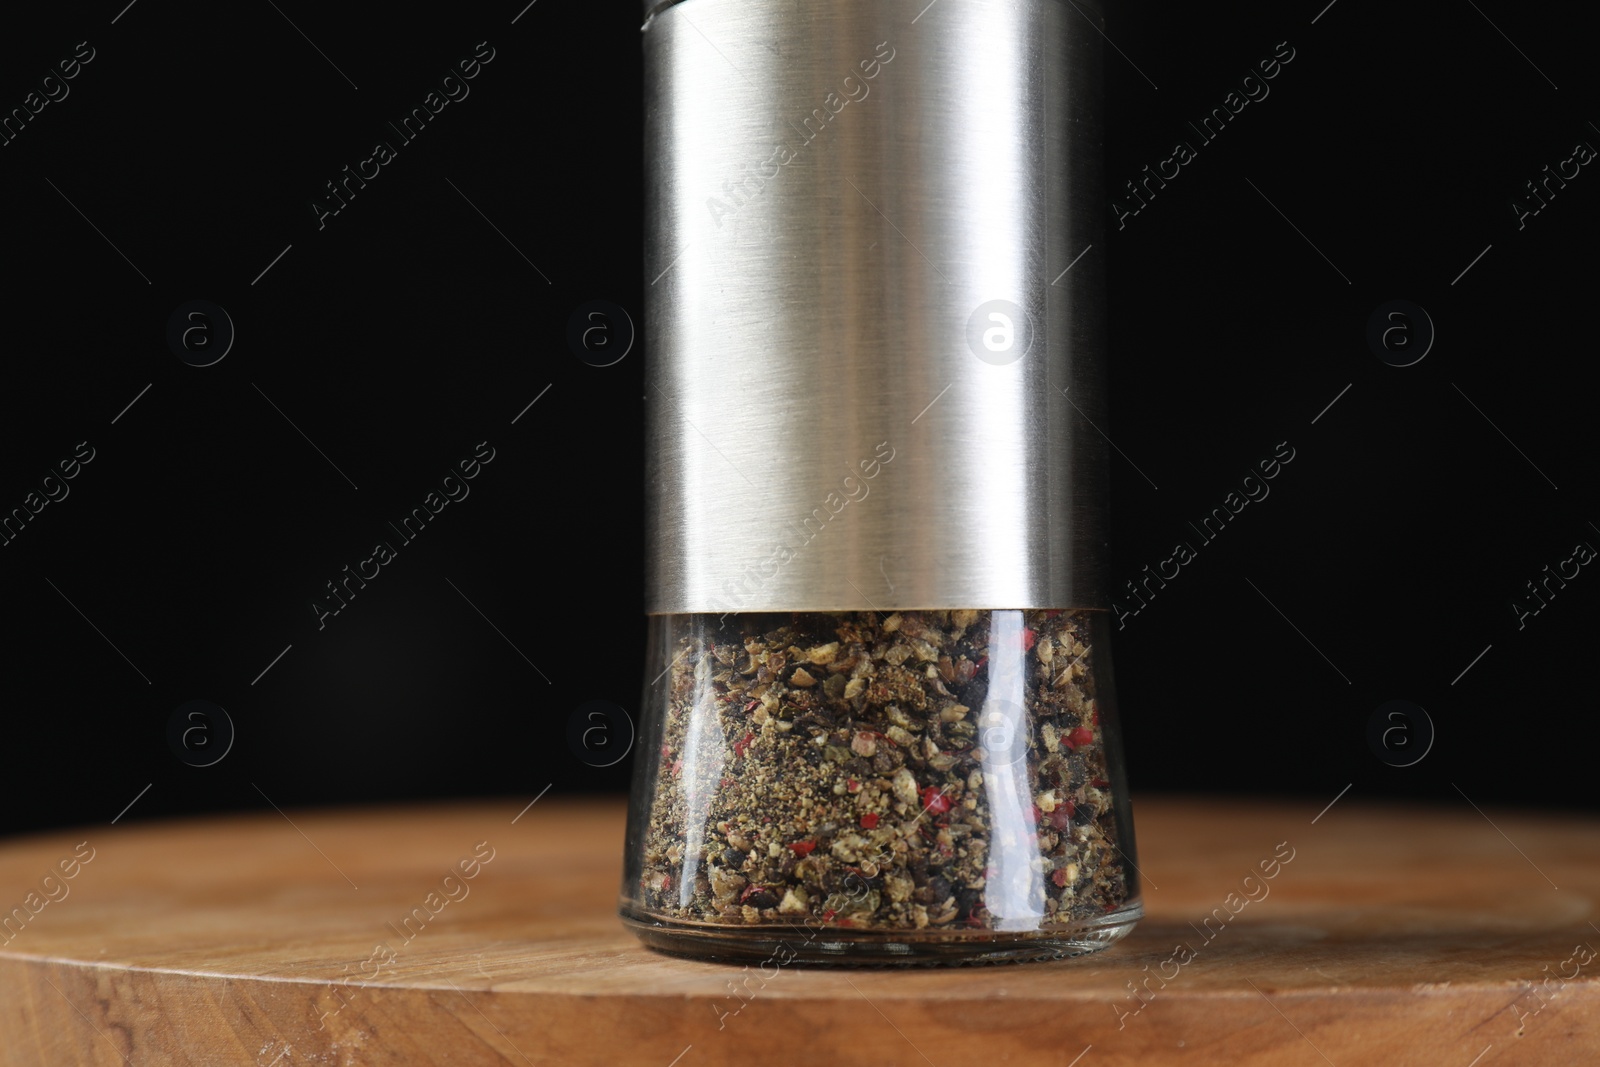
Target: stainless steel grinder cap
point(874, 314)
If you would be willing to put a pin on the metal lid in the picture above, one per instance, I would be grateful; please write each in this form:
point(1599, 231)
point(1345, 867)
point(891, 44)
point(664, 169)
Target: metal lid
point(652, 7)
point(874, 316)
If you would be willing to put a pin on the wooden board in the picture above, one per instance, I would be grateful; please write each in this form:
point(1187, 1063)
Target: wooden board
point(1393, 936)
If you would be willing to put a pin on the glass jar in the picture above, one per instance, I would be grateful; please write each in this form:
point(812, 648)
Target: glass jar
point(905, 787)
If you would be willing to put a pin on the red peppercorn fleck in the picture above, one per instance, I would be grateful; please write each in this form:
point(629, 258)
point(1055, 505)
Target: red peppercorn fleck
point(751, 706)
point(1033, 813)
point(935, 801)
point(1061, 818)
point(1059, 877)
point(1099, 783)
point(677, 765)
point(803, 848)
point(828, 915)
point(741, 745)
point(1052, 613)
point(1079, 737)
point(666, 882)
point(869, 821)
point(1027, 639)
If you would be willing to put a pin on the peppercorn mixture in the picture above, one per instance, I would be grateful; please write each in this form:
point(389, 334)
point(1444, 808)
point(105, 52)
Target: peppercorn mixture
point(890, 772)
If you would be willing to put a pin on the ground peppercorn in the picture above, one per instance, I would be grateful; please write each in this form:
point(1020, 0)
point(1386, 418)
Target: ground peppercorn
point(869, 770)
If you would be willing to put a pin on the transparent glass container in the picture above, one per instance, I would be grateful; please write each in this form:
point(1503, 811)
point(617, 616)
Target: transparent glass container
point(880, 787)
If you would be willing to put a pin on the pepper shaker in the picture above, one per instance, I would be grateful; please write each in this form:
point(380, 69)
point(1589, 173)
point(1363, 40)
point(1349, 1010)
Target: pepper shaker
point(878, 720)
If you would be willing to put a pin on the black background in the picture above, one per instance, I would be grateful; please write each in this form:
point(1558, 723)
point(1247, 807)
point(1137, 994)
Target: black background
point(424, 317)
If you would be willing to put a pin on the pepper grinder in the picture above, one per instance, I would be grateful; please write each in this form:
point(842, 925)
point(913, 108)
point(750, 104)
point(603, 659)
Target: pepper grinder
point(878, 722)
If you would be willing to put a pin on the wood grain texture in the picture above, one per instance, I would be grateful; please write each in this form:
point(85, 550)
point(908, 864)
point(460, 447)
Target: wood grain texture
point(1394, 936)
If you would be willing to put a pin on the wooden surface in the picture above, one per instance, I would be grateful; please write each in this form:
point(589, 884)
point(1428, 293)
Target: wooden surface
point(1394, 936)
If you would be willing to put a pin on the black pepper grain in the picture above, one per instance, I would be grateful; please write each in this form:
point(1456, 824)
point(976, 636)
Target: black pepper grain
point(834, 766)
